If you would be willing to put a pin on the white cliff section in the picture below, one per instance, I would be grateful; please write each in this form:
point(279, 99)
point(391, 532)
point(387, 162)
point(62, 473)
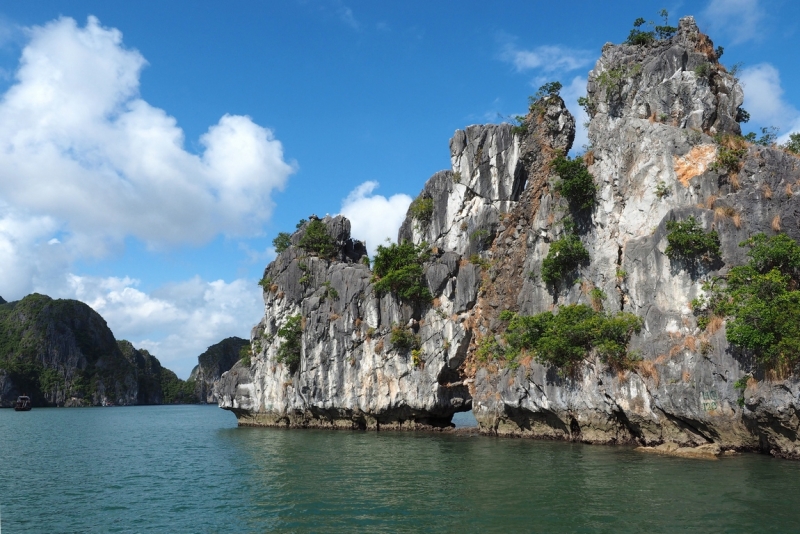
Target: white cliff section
point(651, 158)
point(484, 183)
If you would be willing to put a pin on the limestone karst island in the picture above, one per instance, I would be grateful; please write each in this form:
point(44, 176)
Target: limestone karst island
point(643, 293)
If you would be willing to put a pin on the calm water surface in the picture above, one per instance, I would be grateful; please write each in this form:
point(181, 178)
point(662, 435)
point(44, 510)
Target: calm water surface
point(190, 469)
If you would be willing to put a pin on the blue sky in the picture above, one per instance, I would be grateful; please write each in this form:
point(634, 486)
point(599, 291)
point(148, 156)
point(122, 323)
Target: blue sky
point(154, 149)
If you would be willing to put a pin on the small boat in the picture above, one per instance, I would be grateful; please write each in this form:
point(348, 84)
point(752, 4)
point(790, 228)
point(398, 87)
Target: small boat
point(23, 404)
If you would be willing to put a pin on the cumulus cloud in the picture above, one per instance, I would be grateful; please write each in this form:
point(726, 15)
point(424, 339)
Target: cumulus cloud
point(739, 19)
point(373, 218)
point(84, 157)
point(177, 322)
point(765, 102)
point(28, 259)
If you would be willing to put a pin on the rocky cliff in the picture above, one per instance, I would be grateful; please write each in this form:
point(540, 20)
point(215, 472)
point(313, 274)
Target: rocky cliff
point(217, 359)
point(660, 114)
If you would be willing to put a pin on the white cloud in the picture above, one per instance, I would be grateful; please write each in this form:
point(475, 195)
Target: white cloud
point(546, 58)
point(346, 16)
point(84, 157)
point(739, 19)
point(763, 99)
point(79, 145)
point(373, 218)
point(177, 322)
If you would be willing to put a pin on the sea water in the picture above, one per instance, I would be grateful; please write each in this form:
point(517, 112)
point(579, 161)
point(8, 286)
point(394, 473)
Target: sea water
point(190, 469)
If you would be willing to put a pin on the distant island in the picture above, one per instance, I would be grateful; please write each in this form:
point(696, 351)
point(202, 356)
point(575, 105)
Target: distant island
point(60, 352)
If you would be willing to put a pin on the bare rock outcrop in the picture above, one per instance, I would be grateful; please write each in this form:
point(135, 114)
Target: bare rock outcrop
point(651, 156)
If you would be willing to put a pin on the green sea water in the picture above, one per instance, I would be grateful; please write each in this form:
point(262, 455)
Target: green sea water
point(190, 469)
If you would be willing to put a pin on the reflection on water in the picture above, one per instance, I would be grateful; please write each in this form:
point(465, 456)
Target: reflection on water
point(189, 469)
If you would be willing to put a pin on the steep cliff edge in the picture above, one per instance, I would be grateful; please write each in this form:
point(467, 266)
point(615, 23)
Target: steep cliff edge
point(660, 113)
point(372, 360)
point(349, 369)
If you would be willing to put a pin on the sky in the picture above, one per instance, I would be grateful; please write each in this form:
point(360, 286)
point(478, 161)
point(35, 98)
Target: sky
point(151, 151)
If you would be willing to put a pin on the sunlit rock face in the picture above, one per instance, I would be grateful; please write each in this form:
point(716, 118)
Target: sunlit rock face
point(655, 110)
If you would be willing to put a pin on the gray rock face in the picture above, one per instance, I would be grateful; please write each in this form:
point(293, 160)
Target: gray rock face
point(488, 176)
point(676, 81)
point(654, 111)
point(217, 359)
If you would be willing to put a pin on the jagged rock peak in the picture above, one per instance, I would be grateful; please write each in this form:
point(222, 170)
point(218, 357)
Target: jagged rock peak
point(677, 81)
point(338, 228)
point(490, 170)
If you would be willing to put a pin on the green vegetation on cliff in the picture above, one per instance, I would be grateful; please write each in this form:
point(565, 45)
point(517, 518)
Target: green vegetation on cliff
point(565, 255)
point(291, 349)
point(177, 391)
point(640, 37)
point(282, 241)
point(687, 240)
point(398, 269)
point(566, 338)
point(421, 209)
point(58, 350)
point(316, 240)
point(761, 301)
point(575, 184)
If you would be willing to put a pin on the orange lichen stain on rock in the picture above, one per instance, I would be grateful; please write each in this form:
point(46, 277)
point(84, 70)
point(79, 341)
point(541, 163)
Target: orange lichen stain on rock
point(647, 369)
point(714, 324)
point(694, 163)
